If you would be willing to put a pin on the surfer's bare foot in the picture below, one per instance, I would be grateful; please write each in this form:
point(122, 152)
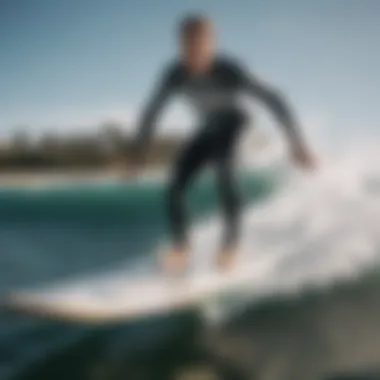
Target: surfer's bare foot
point(176, 260)
point(227, 259)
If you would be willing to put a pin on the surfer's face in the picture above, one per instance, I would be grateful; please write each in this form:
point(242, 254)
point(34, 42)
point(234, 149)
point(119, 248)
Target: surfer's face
point(198, 47)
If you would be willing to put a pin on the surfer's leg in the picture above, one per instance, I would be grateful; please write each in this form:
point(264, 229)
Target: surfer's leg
point(230, 130)
point(231, 205)
point(190, 161)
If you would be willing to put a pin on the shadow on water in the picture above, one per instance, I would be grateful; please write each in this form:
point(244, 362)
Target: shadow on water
point(329, 335)
point(150, 349)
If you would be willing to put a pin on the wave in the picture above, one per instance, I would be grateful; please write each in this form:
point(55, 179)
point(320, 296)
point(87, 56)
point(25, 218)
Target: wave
point(317, 229)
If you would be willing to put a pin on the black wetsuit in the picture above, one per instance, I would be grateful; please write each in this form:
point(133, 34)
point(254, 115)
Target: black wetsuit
point(215, 96)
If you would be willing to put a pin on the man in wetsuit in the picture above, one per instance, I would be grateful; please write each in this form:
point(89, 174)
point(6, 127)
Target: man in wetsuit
point(212, 83)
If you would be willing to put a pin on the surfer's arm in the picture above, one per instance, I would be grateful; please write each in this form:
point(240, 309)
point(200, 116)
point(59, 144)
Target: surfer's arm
point(278, 105)
point(151, 112)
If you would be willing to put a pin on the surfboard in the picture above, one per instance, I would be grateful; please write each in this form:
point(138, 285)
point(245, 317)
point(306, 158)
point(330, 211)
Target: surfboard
point(116, 298)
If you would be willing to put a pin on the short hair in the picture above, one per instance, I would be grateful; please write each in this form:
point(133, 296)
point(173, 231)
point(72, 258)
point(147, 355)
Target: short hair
point(191, 23)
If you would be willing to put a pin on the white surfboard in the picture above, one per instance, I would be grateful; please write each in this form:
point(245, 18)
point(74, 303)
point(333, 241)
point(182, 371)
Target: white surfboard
point(116, 298)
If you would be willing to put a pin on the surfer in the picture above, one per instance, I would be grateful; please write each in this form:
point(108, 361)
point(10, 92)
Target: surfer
point(212, 82)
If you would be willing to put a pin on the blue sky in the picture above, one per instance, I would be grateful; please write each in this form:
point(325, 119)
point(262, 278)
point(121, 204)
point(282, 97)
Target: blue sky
point(73, 63)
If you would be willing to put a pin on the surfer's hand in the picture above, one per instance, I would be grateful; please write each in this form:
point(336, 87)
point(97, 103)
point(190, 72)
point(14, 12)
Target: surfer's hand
point(302, 157)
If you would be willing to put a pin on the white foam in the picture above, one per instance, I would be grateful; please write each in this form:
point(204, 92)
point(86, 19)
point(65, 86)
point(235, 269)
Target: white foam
point(319, 228)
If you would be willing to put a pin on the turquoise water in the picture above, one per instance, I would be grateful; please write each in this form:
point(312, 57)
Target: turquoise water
point(52, 233)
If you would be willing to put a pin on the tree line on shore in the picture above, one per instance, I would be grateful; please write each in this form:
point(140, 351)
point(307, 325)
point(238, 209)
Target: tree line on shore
point(104, 147)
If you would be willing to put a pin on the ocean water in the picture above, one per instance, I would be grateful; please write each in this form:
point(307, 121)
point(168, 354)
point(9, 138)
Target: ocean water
point(316, 315)
point(56, 233)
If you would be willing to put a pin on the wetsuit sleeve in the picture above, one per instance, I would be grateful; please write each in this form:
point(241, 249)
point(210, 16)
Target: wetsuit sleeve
point(158, 99)
point(274, 100)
